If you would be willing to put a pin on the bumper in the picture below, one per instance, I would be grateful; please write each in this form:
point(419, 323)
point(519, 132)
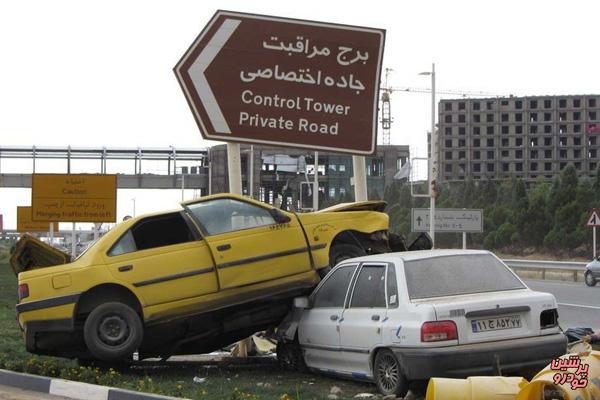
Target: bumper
point(39, 334)
point(481, 358)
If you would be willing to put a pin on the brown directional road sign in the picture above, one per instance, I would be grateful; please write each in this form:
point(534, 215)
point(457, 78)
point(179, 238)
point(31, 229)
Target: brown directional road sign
point(285, 82)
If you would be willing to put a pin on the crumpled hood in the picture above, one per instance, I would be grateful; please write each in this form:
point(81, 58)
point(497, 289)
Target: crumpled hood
point(370, 205)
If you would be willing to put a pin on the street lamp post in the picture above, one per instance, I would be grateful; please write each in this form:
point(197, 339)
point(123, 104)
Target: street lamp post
point(432, 158)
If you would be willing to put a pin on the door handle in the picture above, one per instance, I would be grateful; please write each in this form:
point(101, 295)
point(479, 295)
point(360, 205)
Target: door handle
point(224, 247)
point(375, 317)
point(125, 268)
point(333, 317)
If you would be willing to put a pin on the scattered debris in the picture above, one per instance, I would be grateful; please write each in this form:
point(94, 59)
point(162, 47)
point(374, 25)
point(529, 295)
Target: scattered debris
point(197, 379)
point(335, 390)
point(364, 396)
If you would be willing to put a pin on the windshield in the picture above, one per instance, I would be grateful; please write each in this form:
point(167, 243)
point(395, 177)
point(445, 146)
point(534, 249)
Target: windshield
point(460, 274)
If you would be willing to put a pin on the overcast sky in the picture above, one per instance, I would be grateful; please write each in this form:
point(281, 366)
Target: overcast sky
point(87, 73)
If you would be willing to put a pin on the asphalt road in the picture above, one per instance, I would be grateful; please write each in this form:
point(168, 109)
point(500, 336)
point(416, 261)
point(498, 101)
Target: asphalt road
point(578, 304)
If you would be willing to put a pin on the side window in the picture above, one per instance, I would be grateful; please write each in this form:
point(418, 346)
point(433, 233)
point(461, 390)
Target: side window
point(369, 290)
point(227, 215)
point(392, 287)
point(151, 232)
point(333, 291)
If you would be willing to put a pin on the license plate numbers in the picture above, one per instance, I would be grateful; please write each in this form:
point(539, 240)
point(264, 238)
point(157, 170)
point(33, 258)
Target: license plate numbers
point(495, 324)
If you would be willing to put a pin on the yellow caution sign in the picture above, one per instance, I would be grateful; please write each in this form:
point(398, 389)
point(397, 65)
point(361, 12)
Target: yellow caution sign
point(74, 197)
point(26, 224)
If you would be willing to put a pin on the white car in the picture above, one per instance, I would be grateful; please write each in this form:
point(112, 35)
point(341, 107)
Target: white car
point(405, 317)
point(592, 272)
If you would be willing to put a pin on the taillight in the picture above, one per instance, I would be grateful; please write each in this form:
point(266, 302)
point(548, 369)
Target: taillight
point(435, 331)
point(548, 318)
point(23, 291)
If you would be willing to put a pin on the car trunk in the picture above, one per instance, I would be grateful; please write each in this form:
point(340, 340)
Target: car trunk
point(31, 253)
point(493, 316)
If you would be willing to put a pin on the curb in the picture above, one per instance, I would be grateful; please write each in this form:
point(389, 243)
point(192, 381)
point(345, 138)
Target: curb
point(72, 389)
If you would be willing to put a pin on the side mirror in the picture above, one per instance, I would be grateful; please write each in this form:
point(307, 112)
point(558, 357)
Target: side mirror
point(279, 216)
point(302, 302)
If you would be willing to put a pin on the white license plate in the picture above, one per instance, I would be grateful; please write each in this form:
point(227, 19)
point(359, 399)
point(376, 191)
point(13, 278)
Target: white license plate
point(495, 324)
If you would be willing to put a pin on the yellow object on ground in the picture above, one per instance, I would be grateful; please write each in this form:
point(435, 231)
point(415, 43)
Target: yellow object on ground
point(475, 388)
point(580, 381)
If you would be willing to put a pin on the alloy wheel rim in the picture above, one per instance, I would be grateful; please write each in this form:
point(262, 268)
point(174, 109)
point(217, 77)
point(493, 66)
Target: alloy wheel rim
point(388, 373)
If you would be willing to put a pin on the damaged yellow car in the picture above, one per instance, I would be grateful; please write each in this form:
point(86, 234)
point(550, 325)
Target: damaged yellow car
point(187, 281)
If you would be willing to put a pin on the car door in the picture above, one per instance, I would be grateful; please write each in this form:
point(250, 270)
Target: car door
point(362, 320)
point(248, 245)
point(163, 259)
point(318, 330)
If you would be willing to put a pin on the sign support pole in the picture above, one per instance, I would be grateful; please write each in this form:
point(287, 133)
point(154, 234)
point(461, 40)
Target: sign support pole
point(594, 239)
point(73, 242)
point(316, 183)
point(464, 240)
point(234, 168)
point(360, 178)
point(51, 233)
point(251, 173)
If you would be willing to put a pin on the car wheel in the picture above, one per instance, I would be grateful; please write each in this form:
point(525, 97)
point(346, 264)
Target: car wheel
point(343, 252)
point(113, 331)
point(589, 279)
point(388, 375)
point(289, 356)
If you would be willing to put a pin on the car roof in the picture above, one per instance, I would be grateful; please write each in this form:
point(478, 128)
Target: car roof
point(415, 255)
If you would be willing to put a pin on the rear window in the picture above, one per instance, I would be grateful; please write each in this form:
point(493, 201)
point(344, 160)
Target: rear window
point(455, 275)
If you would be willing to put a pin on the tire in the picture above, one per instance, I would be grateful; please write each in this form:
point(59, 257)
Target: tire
point(589, 279)
point(388, 374)
point(290, 357)
point(113, 332)
point(341, 252)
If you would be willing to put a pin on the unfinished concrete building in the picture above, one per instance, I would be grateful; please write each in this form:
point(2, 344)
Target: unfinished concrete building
point(521, 137)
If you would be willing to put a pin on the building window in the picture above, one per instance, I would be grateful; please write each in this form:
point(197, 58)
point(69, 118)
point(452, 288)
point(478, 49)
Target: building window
point(476, 167)
point(448, 119)
point(448, 155)
point(578, 166)
point(547, 166)
point(591, 102)
point(577, 128)
point(489, 117)
point(504, 142)
point(448, 168)
point(476, 142)
point(504, 153)
point(505, 129)
point(592, 141)
point(519, 129)
point(461, 118)
point(562, 129)
point(533, 166)
point(592, 153)
point(518, 104)
point(461, 155)
point(547, 153)
point(576, 103)
point(577, 154)
point(490, 130)
point(577, 141)
point(592, 166)
point(490, 154)
point(476, 118)
point(519, 117)
point(576, 116)
point(532, 103)
point(562, 154)
point(477, 155)
point(490, 167)
point(448, 106)
point(461, 105)
point(504, 103)
point(519, 142)
point(592, 115)
point(476, 105)
point(505, 167)
point(519, 167)
point(490, 143)
point(448, 143)
point(462, 143)
point(489, 105)
point(547, 116)
point(448, 131)
point(533, 154)
point(547, 128)
point(519, 154)
point(331, 193)
point(548, 141)
point(504, 117)
point(342, 168)
point(547, 103)
point(534, 142)
point(562, 116)
point(532, 117)
point(462, 130)
point(476, 130)
point(562, 165)
point(562, 103)
point(533, 129)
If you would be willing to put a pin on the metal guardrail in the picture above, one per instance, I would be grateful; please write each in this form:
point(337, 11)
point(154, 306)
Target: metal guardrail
point(559, 270)
point(570, 265)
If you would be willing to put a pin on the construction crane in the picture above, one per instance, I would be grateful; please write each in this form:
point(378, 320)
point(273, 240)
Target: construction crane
point(386, 107)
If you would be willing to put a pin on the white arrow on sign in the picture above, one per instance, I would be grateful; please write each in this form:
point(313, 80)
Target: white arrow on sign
point(199, 79)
